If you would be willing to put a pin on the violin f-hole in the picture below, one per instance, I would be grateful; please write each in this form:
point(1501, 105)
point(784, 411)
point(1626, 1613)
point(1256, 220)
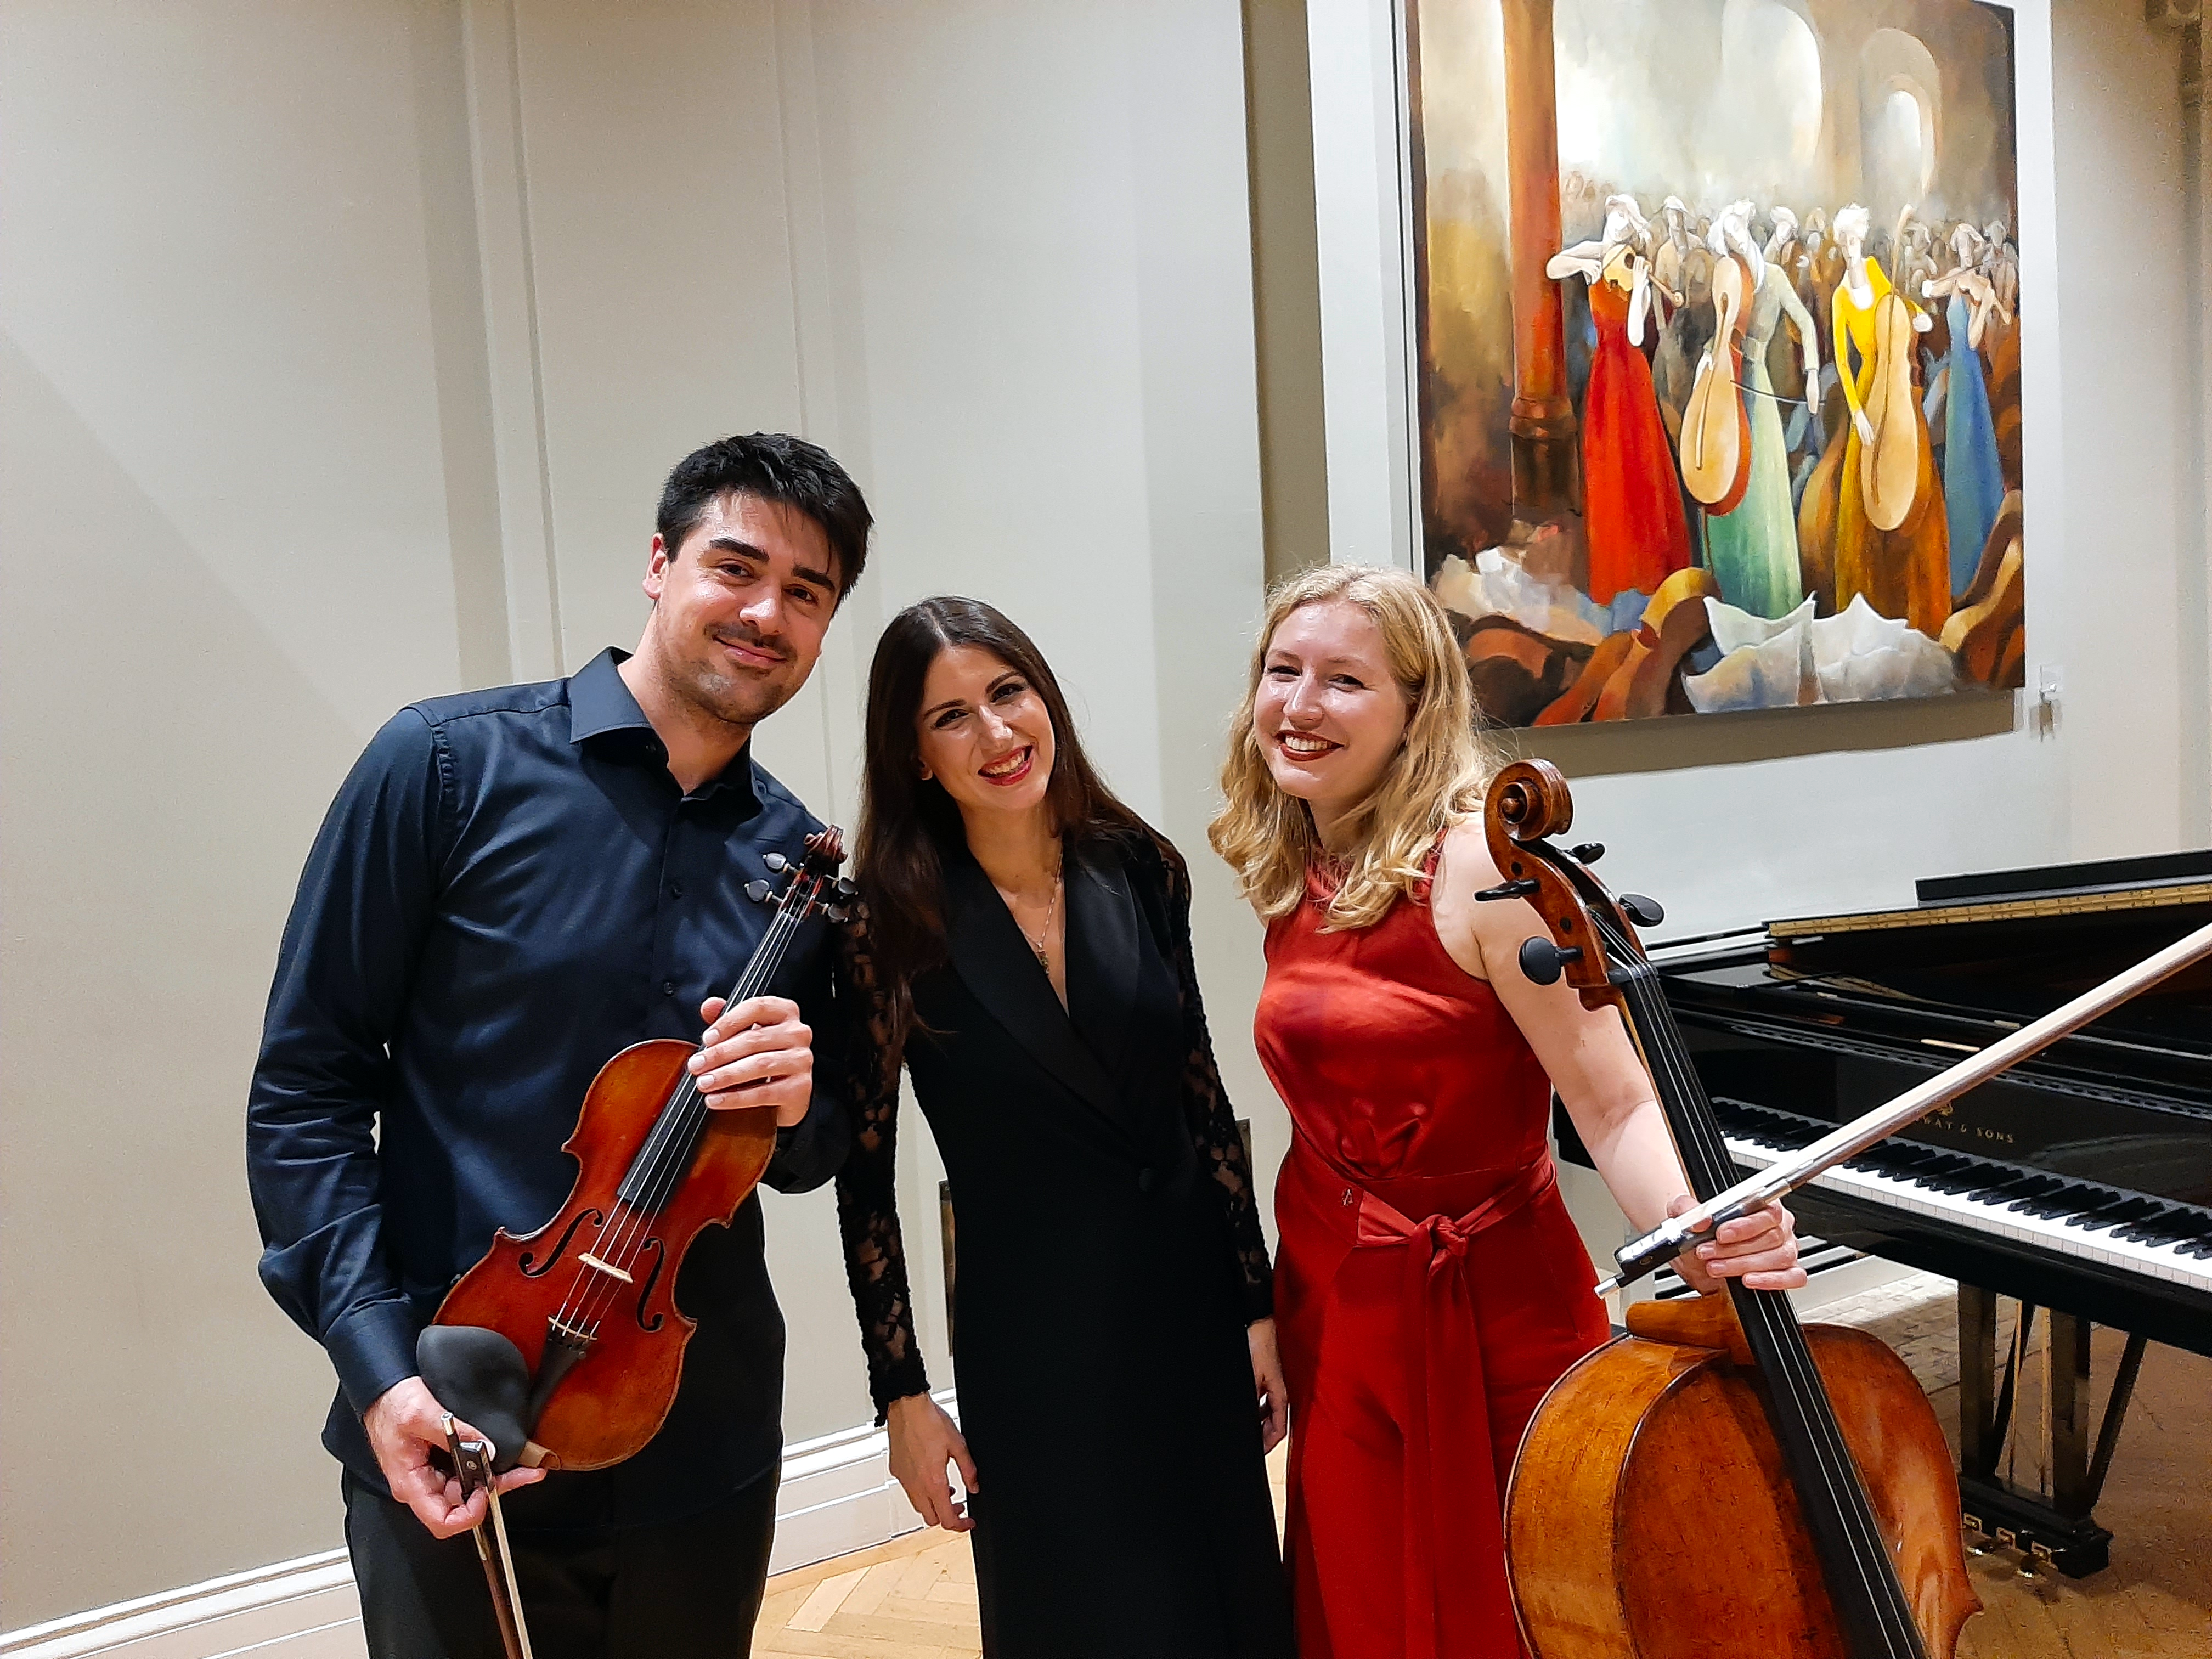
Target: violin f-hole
point(523, 1263)
point(660, 1259)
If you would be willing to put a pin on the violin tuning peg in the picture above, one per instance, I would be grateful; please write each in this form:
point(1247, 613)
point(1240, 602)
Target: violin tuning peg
point(1506, 889)
point(1643, 912)
point(839, 913)
point(845, 888)
point(1541, 960)
point(777, 863)
point(1589, 852)
point(756, 890)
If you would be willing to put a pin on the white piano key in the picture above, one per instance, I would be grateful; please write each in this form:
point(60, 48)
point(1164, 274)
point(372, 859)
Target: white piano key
point(2160, 1262)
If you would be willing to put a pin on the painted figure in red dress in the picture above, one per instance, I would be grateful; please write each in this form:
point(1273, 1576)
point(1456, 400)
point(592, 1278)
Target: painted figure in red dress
point(1430, 1284)
point(1632, 514)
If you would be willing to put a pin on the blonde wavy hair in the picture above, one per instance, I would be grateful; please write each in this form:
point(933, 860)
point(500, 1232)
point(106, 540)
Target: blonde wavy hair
point(1435, 781)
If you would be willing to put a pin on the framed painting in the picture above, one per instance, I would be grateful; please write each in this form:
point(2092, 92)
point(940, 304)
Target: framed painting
point(1717, 349)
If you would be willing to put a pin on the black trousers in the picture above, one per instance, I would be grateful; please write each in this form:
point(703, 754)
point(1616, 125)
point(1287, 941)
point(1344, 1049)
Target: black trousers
point(680, 1589)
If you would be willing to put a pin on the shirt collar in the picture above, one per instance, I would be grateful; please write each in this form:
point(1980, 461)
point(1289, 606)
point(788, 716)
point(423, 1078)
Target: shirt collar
point(601, 705)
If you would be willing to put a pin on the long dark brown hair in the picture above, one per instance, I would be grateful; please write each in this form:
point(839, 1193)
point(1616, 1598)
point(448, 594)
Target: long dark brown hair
point(909, 826)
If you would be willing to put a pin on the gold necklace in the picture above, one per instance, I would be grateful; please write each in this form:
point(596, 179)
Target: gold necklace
point(1037, 945)
point(1044, 933)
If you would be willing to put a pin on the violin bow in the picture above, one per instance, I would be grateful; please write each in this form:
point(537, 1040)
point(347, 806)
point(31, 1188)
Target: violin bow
point(1786, 1174)
point(472, 1466)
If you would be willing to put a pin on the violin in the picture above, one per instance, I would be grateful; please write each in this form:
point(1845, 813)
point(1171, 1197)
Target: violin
point(565, 1345)
point(1805, 1459)
point(1716, 441)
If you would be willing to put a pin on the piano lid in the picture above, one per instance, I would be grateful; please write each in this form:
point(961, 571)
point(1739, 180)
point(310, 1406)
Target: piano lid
point(2169, 881)
point(1982, 954)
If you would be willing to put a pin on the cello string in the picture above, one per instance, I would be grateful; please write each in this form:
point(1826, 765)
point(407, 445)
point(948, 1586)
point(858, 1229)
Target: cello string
point(1767, 1320)
point(1769, 1309)
point(667, 1153)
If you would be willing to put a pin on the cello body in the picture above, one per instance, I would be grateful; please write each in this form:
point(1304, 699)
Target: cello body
point(1716, 442)
point(1890, 472)
point(1649, 1514)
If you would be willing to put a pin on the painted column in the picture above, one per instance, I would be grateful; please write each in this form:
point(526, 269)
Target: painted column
point(1543, 422)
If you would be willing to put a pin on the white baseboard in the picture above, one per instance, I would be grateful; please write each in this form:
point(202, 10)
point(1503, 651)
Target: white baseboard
point(837, 1497)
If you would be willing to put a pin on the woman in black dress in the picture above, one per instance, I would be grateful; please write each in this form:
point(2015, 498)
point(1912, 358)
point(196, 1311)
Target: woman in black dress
point(1026, 941)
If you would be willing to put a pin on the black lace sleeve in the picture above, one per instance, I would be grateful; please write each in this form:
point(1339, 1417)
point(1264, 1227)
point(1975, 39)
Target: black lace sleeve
point(867, 1190)
point(1212, 1121)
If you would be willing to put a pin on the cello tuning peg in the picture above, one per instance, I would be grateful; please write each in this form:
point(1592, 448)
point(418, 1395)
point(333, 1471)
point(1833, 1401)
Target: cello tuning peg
point(845, 888)
point(1541, 960)
point(1589, 852)
point(777, 863)
point(1506, 889)
point(838, 914)
point(1643, 912)
point(756, 890)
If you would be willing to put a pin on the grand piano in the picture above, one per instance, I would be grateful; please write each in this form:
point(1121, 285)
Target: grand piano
point(2079, 1183)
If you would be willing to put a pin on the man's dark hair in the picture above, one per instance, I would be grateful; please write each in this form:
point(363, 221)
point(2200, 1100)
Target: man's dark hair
point(774, 467)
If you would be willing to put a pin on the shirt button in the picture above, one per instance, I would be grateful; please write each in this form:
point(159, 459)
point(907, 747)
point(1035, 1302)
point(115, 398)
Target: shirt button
point(668, 988)
point(1145, 1181)
point(676, 890)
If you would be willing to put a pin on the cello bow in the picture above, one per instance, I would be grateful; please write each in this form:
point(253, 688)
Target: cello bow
point(1787, 1174)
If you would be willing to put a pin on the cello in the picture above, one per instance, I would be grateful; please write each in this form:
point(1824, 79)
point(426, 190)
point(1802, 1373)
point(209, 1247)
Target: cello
point(566, 1344)
point(1841, 1536)
point(1716, 443)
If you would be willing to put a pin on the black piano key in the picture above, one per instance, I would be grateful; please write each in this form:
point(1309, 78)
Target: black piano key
point(2146, 1230)
point(2119, 1216)
point(2036, 1187)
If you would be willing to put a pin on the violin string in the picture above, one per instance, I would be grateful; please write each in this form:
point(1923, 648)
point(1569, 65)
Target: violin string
point(617, 1232)
point(1769, 1309)
point(668, 1151)
point(667, 1148)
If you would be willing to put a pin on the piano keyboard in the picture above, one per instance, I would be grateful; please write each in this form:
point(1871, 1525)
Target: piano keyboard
point(2120, 1230)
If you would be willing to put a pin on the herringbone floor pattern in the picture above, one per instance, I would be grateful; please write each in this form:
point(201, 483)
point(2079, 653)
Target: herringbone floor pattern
point(914, 1597)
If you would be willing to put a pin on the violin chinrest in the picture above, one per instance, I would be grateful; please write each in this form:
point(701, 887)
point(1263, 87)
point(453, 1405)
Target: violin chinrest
point(481, 1377)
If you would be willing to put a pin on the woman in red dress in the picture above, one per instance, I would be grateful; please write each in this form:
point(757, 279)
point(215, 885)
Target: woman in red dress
point(1430, 1284)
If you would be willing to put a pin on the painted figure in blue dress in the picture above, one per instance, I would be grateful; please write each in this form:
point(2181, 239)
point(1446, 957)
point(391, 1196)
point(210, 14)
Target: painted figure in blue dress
point(1752, 551)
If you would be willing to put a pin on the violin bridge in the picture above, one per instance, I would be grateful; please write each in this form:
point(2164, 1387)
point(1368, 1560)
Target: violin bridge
point(606, 1267)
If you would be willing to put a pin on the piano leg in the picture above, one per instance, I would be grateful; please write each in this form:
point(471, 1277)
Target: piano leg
point(1981, 1430)
point(2058, 1530)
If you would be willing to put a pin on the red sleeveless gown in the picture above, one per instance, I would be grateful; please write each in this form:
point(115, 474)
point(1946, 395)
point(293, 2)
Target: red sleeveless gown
point(1430, 1285)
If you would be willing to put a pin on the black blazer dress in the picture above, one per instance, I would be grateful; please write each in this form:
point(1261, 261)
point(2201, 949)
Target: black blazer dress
point(1109, 1259)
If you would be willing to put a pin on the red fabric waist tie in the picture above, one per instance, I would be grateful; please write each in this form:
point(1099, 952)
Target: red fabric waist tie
point(1448, 1425)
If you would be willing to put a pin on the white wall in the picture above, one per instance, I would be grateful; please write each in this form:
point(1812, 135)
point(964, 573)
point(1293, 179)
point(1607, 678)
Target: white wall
point(345, 349)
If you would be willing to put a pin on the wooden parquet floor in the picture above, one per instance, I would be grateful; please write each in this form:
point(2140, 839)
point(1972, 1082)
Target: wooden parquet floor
point(914, 1597)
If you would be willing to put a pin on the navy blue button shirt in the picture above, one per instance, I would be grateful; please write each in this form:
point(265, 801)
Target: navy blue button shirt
point(510, 888)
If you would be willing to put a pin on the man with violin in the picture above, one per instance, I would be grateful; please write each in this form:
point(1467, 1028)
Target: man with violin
point(511, 886)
